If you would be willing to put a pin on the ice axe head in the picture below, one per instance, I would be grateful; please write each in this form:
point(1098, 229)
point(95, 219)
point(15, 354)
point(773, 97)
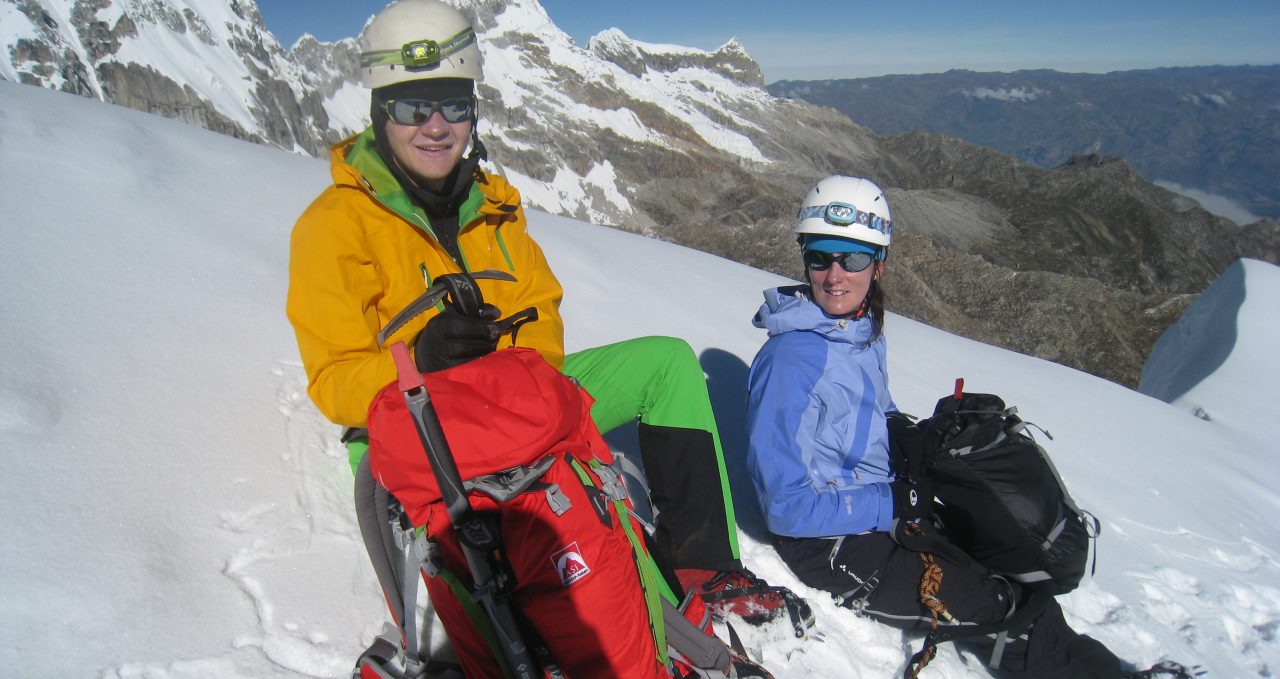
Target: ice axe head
point(458, 290)
point(462, 293)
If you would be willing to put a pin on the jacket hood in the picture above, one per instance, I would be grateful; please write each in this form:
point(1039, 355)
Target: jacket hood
point(789, 309)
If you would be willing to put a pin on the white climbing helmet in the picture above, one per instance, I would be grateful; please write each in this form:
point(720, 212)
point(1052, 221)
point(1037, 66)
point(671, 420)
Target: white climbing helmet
point(418, 40)
point(846, 207)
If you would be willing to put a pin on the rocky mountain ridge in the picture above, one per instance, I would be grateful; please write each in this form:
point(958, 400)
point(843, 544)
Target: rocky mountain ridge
point(1214, 129)
point(1084, 264)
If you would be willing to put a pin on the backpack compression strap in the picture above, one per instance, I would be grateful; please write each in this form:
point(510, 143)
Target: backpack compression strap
point(650, 580)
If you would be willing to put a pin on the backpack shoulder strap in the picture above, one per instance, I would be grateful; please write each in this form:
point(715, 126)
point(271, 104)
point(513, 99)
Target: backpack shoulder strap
point(396, 559)
point(372, 514)
point(693, 646)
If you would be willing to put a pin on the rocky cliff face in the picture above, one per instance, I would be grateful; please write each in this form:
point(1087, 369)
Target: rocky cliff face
point(1083, 264)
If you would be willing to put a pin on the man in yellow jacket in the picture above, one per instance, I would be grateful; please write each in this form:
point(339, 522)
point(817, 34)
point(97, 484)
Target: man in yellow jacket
point(409, 202)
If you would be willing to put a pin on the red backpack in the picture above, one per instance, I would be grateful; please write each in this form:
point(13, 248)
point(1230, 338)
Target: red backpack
point(533, 462)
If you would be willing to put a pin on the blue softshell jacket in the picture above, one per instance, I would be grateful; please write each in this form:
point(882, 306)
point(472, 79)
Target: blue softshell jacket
point(819, 446)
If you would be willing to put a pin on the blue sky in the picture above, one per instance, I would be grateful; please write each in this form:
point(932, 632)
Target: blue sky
point(850, 39)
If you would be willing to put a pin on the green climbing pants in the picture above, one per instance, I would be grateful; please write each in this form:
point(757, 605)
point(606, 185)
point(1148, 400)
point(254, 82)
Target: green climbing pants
point(659, 381)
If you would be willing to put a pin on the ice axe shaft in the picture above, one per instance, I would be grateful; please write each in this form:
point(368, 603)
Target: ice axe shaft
point(489, 591)
point(477, 537)
point(427, 422)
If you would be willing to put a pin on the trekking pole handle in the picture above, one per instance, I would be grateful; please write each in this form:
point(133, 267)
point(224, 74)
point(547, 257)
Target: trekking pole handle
point(430, 433)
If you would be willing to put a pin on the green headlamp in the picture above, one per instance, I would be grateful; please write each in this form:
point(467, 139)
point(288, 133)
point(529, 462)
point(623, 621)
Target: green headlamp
point(419, 54)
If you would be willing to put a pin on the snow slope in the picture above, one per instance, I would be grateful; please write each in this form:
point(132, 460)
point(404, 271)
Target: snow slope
point(1214, 351)
point(175, 508)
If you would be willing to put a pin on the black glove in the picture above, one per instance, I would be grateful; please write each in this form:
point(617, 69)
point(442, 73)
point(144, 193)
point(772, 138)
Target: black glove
point(913, 501)
point(912, 509)
point(451, 338)
point(913, 523)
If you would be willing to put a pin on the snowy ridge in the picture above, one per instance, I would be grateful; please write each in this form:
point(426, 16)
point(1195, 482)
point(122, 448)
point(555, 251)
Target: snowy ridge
point(206, 62)
point(165, 44)
point(177, 509)
point(615, 40)
point(550, 110)
point(544, 85)
point(531, 81)
point(1223, 344)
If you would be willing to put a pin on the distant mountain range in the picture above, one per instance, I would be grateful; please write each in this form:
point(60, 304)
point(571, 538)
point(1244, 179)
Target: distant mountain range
point(1213, 129)
point(1084, 264)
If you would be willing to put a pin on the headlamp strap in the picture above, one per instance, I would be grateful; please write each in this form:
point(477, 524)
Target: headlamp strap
point(419, 53)
point(844, 214)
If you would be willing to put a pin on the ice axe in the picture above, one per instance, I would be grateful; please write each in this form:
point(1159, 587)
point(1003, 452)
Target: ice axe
point(460, 291)
point(477, 534)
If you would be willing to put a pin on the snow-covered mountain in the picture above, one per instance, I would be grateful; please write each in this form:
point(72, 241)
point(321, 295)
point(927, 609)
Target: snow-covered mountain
point(556, 116)
point(211, 63)
point(175, 508)
point(1084, 264)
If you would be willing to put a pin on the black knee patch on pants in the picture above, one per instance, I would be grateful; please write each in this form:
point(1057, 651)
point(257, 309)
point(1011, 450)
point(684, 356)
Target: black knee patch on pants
point(686, 491)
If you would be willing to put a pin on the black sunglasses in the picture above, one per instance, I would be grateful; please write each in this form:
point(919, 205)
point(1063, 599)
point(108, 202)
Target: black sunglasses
point(853, 262)
point(419, 111)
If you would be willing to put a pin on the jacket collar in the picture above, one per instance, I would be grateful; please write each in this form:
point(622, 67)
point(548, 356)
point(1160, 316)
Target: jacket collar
point(355, 162)
point(789, 309)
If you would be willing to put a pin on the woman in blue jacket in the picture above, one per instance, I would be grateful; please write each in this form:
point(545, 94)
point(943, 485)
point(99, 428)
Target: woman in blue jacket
point(819, 449)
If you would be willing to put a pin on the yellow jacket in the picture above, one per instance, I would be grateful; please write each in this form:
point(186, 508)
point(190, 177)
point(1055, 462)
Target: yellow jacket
point(362, 251)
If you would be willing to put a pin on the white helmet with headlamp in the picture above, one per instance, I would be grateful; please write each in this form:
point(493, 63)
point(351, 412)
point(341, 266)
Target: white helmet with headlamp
point(418, 40)
point(848, 208)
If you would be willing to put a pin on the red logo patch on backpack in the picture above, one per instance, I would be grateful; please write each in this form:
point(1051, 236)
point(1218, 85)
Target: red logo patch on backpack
point(570, 565)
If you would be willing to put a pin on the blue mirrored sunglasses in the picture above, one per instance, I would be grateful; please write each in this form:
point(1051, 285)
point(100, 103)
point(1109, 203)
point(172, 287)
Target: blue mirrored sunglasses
point(419, 111)
point(853, 262)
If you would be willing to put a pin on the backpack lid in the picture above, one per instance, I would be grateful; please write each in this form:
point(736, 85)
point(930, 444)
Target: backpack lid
point(503, 410)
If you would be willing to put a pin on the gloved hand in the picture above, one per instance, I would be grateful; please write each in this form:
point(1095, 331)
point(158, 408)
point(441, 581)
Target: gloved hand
point(912, 506)
point(451, 338)
point(913, 523)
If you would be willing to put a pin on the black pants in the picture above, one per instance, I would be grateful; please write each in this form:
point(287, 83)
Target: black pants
point(871, 574)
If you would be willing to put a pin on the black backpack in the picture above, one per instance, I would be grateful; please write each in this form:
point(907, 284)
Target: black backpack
point(1000, 497)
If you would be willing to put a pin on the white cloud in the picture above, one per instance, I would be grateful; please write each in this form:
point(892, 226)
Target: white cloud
point(1212, 98)
point(1014, 94)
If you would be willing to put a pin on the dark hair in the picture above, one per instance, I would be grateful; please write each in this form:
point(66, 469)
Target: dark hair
point(875, 308)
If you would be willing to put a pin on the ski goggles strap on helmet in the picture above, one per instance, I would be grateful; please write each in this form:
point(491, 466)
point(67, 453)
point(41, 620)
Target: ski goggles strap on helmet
point(419, 54)
point(844, 214)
